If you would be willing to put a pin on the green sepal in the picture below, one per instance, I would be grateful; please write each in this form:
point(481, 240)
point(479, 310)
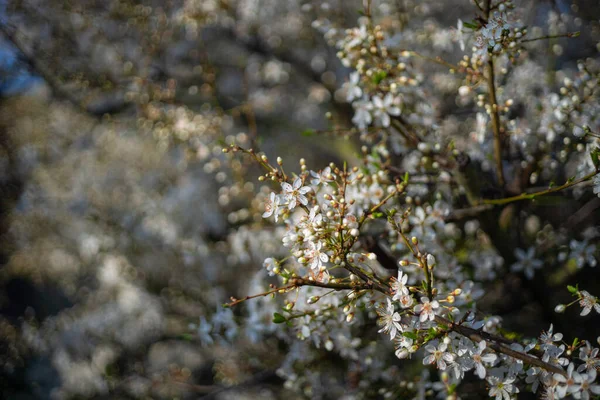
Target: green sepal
point(278, 318)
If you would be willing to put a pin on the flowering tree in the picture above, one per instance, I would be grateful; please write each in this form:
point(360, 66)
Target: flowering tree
point(437, 204)
point(473, 188)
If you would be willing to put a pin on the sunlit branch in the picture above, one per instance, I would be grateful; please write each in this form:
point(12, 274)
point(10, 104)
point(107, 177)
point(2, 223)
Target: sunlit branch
point(331, 285)
point(283, 289)
point(532, 196)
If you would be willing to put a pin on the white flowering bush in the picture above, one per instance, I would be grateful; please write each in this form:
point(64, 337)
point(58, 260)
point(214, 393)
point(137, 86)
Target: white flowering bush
point(397, 199)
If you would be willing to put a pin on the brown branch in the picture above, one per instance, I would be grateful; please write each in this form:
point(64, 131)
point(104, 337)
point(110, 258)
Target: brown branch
point(495, 121)
point(335, 286)
point(494, 108)
point(235, 302)
point(492, 342)
point(462, 213)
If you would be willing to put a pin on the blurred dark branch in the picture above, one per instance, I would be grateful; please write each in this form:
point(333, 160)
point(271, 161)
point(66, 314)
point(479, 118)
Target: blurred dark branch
point(462, 213)
point(260, 378)
point(255, 45)
point(109, 105)
point(583, 213)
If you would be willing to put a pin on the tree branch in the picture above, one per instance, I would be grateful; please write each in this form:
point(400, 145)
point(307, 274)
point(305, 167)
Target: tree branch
point(114, 104)
point(531, 196)
point(492, 342)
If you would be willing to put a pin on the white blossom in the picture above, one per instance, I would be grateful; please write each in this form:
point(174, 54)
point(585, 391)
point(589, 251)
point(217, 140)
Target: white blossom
point(384, 108)
point(322, 177)
point(353, 90)
point(399, 285)
point(587, 385)
point(314, 256)
point(526, 262)
point(596, 184)
point(479, 358)
point(295, 193)
point(389, 319)
point(438, 355)
point(569, 384)
point(501, 389)
point(362, 113)
point(272, 206)
point(427, 309)
point(587, 302)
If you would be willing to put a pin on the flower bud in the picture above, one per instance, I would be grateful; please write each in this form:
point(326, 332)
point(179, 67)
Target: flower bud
point(560, 308)
point(445, 377)
point(430, 260)
point(401, 354)
point(414, 240)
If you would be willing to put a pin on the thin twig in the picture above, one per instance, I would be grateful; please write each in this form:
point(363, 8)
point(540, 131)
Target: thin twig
point(567, 35)
point(531, 196)
point(235, 302)
point(335, 286)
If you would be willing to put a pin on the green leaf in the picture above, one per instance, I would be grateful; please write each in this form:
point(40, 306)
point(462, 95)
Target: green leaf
point(452, 388)
point(378, 77)
point(573, 289)
point(595, 154)
point(405, 179)
point(410, 335)
point(470, 25)
point(309, 132)
point(377, 214)
point(278, 318)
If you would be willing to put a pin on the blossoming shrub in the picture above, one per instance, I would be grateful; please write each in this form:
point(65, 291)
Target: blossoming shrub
point(437, 207)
